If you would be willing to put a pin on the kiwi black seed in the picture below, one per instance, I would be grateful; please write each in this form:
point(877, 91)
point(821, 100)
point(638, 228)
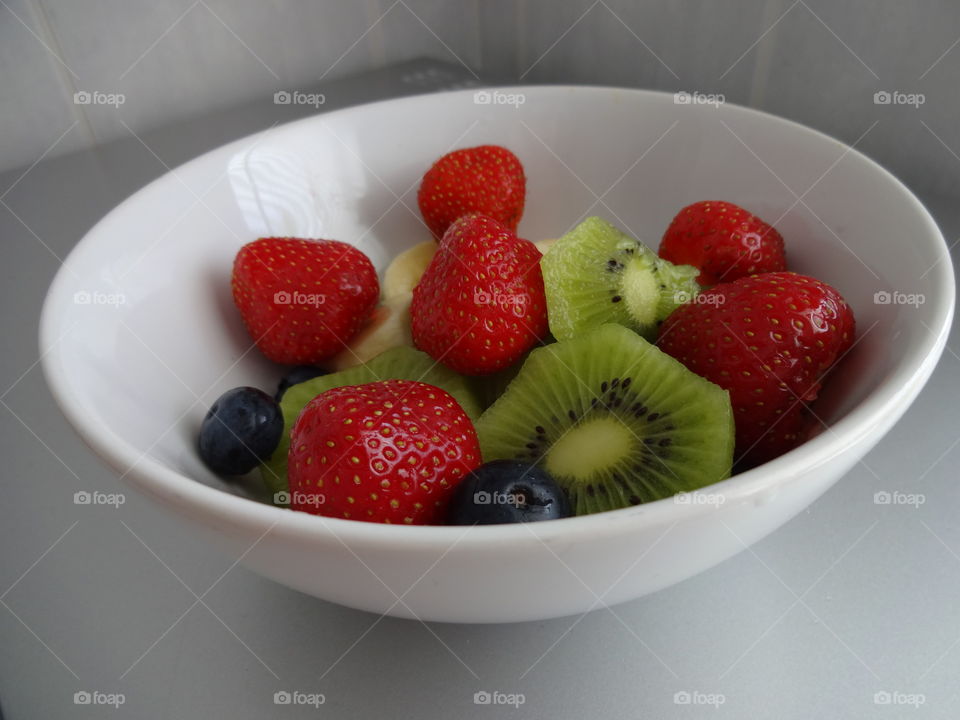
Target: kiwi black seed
point(596, 274)
point(613, 419)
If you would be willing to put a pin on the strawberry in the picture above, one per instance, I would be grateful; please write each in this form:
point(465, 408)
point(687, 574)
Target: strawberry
point(389, 452)
point(302, 300)
point(724, 241)
point(480, 304)
point(487, 179)
point(767, 339)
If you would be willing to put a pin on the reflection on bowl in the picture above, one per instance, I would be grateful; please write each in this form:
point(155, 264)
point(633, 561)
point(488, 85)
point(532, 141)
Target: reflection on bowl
point(135, 377)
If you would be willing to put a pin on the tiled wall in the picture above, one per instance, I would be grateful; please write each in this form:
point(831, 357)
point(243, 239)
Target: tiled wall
point(817, 61)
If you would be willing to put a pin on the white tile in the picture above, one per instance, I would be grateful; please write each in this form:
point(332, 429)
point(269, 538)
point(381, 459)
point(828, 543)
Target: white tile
point(183, 58)
point(35, 104)
point(665, 44)
point(439, 29)
point(501, 39)
point(827, 60)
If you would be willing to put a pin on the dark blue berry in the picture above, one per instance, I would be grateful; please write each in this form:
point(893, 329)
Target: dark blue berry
point(297, 375)
point(507, 491)
point(241, 429)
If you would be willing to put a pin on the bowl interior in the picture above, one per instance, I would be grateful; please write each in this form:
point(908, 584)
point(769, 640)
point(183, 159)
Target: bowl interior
point(141, 333)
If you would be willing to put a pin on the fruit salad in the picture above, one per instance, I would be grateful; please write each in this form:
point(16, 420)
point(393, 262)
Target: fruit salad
point(487, 379)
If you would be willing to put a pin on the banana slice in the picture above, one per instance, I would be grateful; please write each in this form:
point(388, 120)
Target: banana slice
point(389, 327)
point(544, 245)
point(404, 272)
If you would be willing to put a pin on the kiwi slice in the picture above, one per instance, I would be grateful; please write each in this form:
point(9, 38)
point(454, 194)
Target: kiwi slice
point(487, 388)
point(596, 274)
point(613, 419)
point(399, 363)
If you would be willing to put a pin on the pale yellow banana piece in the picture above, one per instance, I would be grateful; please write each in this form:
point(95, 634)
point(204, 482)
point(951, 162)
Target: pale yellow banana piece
point(389, 326)
point(544, 245)
point(404, 272)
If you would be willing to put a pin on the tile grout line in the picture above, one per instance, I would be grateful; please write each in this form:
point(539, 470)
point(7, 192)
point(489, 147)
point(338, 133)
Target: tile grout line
point(764, 59)
point(67, 83)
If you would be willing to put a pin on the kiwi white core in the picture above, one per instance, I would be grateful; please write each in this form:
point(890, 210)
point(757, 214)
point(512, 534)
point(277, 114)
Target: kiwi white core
point(640, 291)
point(592, 447)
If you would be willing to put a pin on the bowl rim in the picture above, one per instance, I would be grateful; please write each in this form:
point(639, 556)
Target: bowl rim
point(193, 497)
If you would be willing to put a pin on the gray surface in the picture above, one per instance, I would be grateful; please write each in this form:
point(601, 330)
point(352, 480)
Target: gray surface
point(815, 61)
point(848, 600)
point(178, 59)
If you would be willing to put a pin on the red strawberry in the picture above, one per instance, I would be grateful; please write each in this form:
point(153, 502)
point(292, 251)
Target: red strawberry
point(725, 241)
point(389, 452)
point(768, 339)
point(480, 304)
point(487, 179)
point(302, 300)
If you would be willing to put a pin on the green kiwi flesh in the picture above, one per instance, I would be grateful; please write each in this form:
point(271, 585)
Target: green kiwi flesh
point(597, 274)
point(399, 363)
point(614, 420)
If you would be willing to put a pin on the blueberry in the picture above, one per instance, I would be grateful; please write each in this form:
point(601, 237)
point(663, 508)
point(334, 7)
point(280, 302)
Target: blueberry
point(297, 375)
point(241, 429)
point(507, 491)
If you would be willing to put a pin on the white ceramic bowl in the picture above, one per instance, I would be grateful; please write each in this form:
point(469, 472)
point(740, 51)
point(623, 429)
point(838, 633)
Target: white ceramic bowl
point(139, 334)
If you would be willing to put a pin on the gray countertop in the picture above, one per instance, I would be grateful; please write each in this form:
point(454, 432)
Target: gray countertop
point(849, 611)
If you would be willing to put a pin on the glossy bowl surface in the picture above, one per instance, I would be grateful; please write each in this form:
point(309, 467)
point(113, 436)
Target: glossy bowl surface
point(139, 334)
